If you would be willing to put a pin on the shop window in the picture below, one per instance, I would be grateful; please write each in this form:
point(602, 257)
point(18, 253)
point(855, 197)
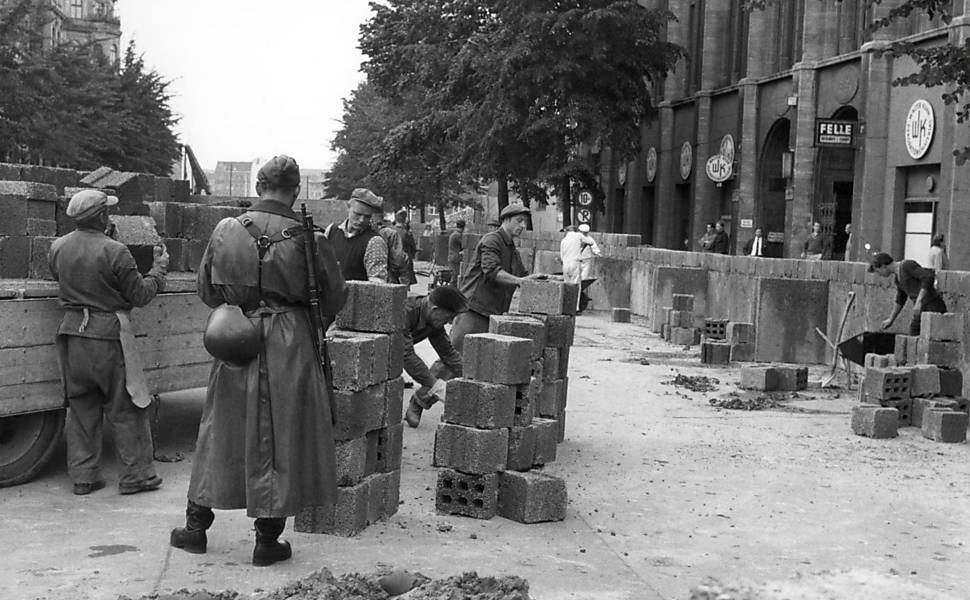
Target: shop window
point(918, 231)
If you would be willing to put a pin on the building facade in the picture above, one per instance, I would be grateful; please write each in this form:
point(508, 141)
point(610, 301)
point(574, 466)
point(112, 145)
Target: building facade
point(786, 116)
point(57, 22)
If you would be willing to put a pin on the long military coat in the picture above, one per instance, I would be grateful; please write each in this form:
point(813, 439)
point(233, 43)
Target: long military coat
point(266, 437)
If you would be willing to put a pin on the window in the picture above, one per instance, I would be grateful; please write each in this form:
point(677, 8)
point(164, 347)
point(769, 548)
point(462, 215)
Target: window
point(736, 50)
point(695, 45)
point(76, 9)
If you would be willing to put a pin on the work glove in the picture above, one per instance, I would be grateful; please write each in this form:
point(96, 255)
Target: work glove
point(438, 389)
point(160, 253)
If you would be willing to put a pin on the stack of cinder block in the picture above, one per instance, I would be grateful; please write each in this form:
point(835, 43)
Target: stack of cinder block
point(727, 341)
point(679, 320)
point(366, 354)
point(920, 385)
point(27, 229)
point(774, 378)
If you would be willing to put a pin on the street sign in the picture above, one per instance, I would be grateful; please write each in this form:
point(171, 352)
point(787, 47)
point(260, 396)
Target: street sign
point(836, 133)
point(584, 215)
point(718, 169)
point(585, 198)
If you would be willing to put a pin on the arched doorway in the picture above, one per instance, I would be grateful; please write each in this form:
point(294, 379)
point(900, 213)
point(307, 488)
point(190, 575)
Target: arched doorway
point(770, 203)
point(835, 176)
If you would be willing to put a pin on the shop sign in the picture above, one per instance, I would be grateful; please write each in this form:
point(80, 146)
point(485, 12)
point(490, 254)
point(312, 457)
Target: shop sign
point(651, 164)
point(775, 237)
point(686, 160)
point(747, 223)
point(835, 132)
point(727, 148)
point(718, 169)
point(919, 128)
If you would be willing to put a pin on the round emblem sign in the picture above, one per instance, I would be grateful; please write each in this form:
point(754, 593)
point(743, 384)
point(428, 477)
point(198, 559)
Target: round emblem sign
point(718, 169)
point(583, 215)
point(585, 198)
point(919, 128)
point(651, 164)
point(686, 160)
point(727, 148)
point(621, 173)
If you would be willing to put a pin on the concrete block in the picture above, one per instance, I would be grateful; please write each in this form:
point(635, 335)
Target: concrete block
point(921, 405)
point(764, 379)
point(373, 307)
point(468, 495)
point(376, 491)
point(900, 351)
point(665, 332)
point(742, 352)
point(135, 230)
point(393, 402)
point(531, 497)
point(552, 400)
point(924, 380)
point(739, 333)
point(942, 354)
point(621, 315)
point(388, 443)
point(683, 336)
point(683, 302)
point(522, 448)
point(526, 401)
point(887, 384)
point(912, 350)
point(788, 311)
point(358, 411)
point(680, 318)
point(479, 404)
point(41, 227)
point(548, 297)
point(393, 496)
point(29, 190)
point(951, 382)
point(715, 352)
point(941, 327)
point(942, 425)
point(179, 255)
point(168, 218)
point(905, 409)
point(550, 363)
point(791, 379)
point(358, 359)
point(347, 517)
point(715, 329)
point(470, 450)
point(395, 356)
point(561, 429)
point(351, 460)
point(875, 421)
point(14, 256)
point(560, 329)
point(39, 267)
point(497, 358)
point(563, 362)
point(669, 280)
point(547, 438)
point(520, 326)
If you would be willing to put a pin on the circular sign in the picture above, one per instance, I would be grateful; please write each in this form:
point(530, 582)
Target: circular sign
point(686, 160)
point(583, 215)
point(621, 173)
point(919, 128)
point(727, 148)
point(651, 164)
point(718, 168)
point(585, 199)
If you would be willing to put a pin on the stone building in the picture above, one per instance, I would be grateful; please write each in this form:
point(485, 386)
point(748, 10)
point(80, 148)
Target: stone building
point(798, 102)
point(57, 22)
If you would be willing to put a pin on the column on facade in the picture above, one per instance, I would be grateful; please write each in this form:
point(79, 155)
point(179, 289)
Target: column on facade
point(706, 197)
point(819, 33)
point(746, 152)
point(955, 194)
point(801, 202)
point(666, 228)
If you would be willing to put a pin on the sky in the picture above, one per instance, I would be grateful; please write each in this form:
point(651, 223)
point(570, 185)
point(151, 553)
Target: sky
point(250, 78)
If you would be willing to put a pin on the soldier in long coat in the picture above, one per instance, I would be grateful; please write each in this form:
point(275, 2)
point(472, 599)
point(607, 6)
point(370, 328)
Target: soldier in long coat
point(266, 437)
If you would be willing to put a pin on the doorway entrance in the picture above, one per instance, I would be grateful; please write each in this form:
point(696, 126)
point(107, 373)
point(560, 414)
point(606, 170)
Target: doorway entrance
point(770, 205)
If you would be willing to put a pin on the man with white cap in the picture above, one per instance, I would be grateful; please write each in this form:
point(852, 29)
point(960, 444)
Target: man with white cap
point(361, 250)
point(573, 252)
point(99, 285)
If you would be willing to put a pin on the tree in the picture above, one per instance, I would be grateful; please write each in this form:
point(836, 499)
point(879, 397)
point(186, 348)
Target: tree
point(69, 106)
point(518, 85)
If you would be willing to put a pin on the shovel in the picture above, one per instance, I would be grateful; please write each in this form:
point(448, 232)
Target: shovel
point(838, 337)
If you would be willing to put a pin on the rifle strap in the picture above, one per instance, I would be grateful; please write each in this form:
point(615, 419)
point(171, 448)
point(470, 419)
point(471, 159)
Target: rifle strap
point(264, 242)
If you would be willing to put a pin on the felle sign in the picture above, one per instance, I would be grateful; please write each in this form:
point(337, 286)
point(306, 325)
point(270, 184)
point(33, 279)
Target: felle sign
point(835, 132)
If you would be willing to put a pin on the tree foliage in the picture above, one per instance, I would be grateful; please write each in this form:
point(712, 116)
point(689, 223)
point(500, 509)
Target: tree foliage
point(68, 106)
point(514, 87)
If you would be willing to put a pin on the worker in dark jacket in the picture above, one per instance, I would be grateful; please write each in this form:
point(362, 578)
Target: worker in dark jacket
point(425, 318)
point(913, 282)
point(99, 285)
point(361, 250)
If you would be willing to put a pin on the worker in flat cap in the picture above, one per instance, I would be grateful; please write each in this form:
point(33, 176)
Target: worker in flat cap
point(913, 282)
point(361, 250)
point(99, 284)
point(496, 270)
point(265, 441)
point(425, 318)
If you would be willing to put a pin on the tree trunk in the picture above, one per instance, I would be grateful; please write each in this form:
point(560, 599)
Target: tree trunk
point(503, 192)
point(442, 224)
point(566, 202)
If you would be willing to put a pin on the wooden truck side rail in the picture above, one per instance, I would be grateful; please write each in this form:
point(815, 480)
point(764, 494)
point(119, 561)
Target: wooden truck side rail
point(169, 335)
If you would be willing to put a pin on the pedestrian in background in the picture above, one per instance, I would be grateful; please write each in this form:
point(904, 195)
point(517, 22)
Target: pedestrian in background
point(706, 242)
point(101, 370)
point(408, 244)
point(817, 246)
point(938, 260)
point(721, 243)
point(756, 245)
point(266, 436)
point(456, 250)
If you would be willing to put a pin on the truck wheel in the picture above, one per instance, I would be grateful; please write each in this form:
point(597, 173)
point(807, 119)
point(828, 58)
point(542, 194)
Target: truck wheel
point(27, 443)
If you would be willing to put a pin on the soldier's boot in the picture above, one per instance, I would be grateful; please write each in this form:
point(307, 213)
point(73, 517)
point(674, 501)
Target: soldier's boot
point(192, 538)
point(269, 550)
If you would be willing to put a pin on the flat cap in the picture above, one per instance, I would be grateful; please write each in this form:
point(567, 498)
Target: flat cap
point(87, 203)
point(584, 228)
point(881, 259)
point(365, 196)
point(514, 209)
point(280, 171)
